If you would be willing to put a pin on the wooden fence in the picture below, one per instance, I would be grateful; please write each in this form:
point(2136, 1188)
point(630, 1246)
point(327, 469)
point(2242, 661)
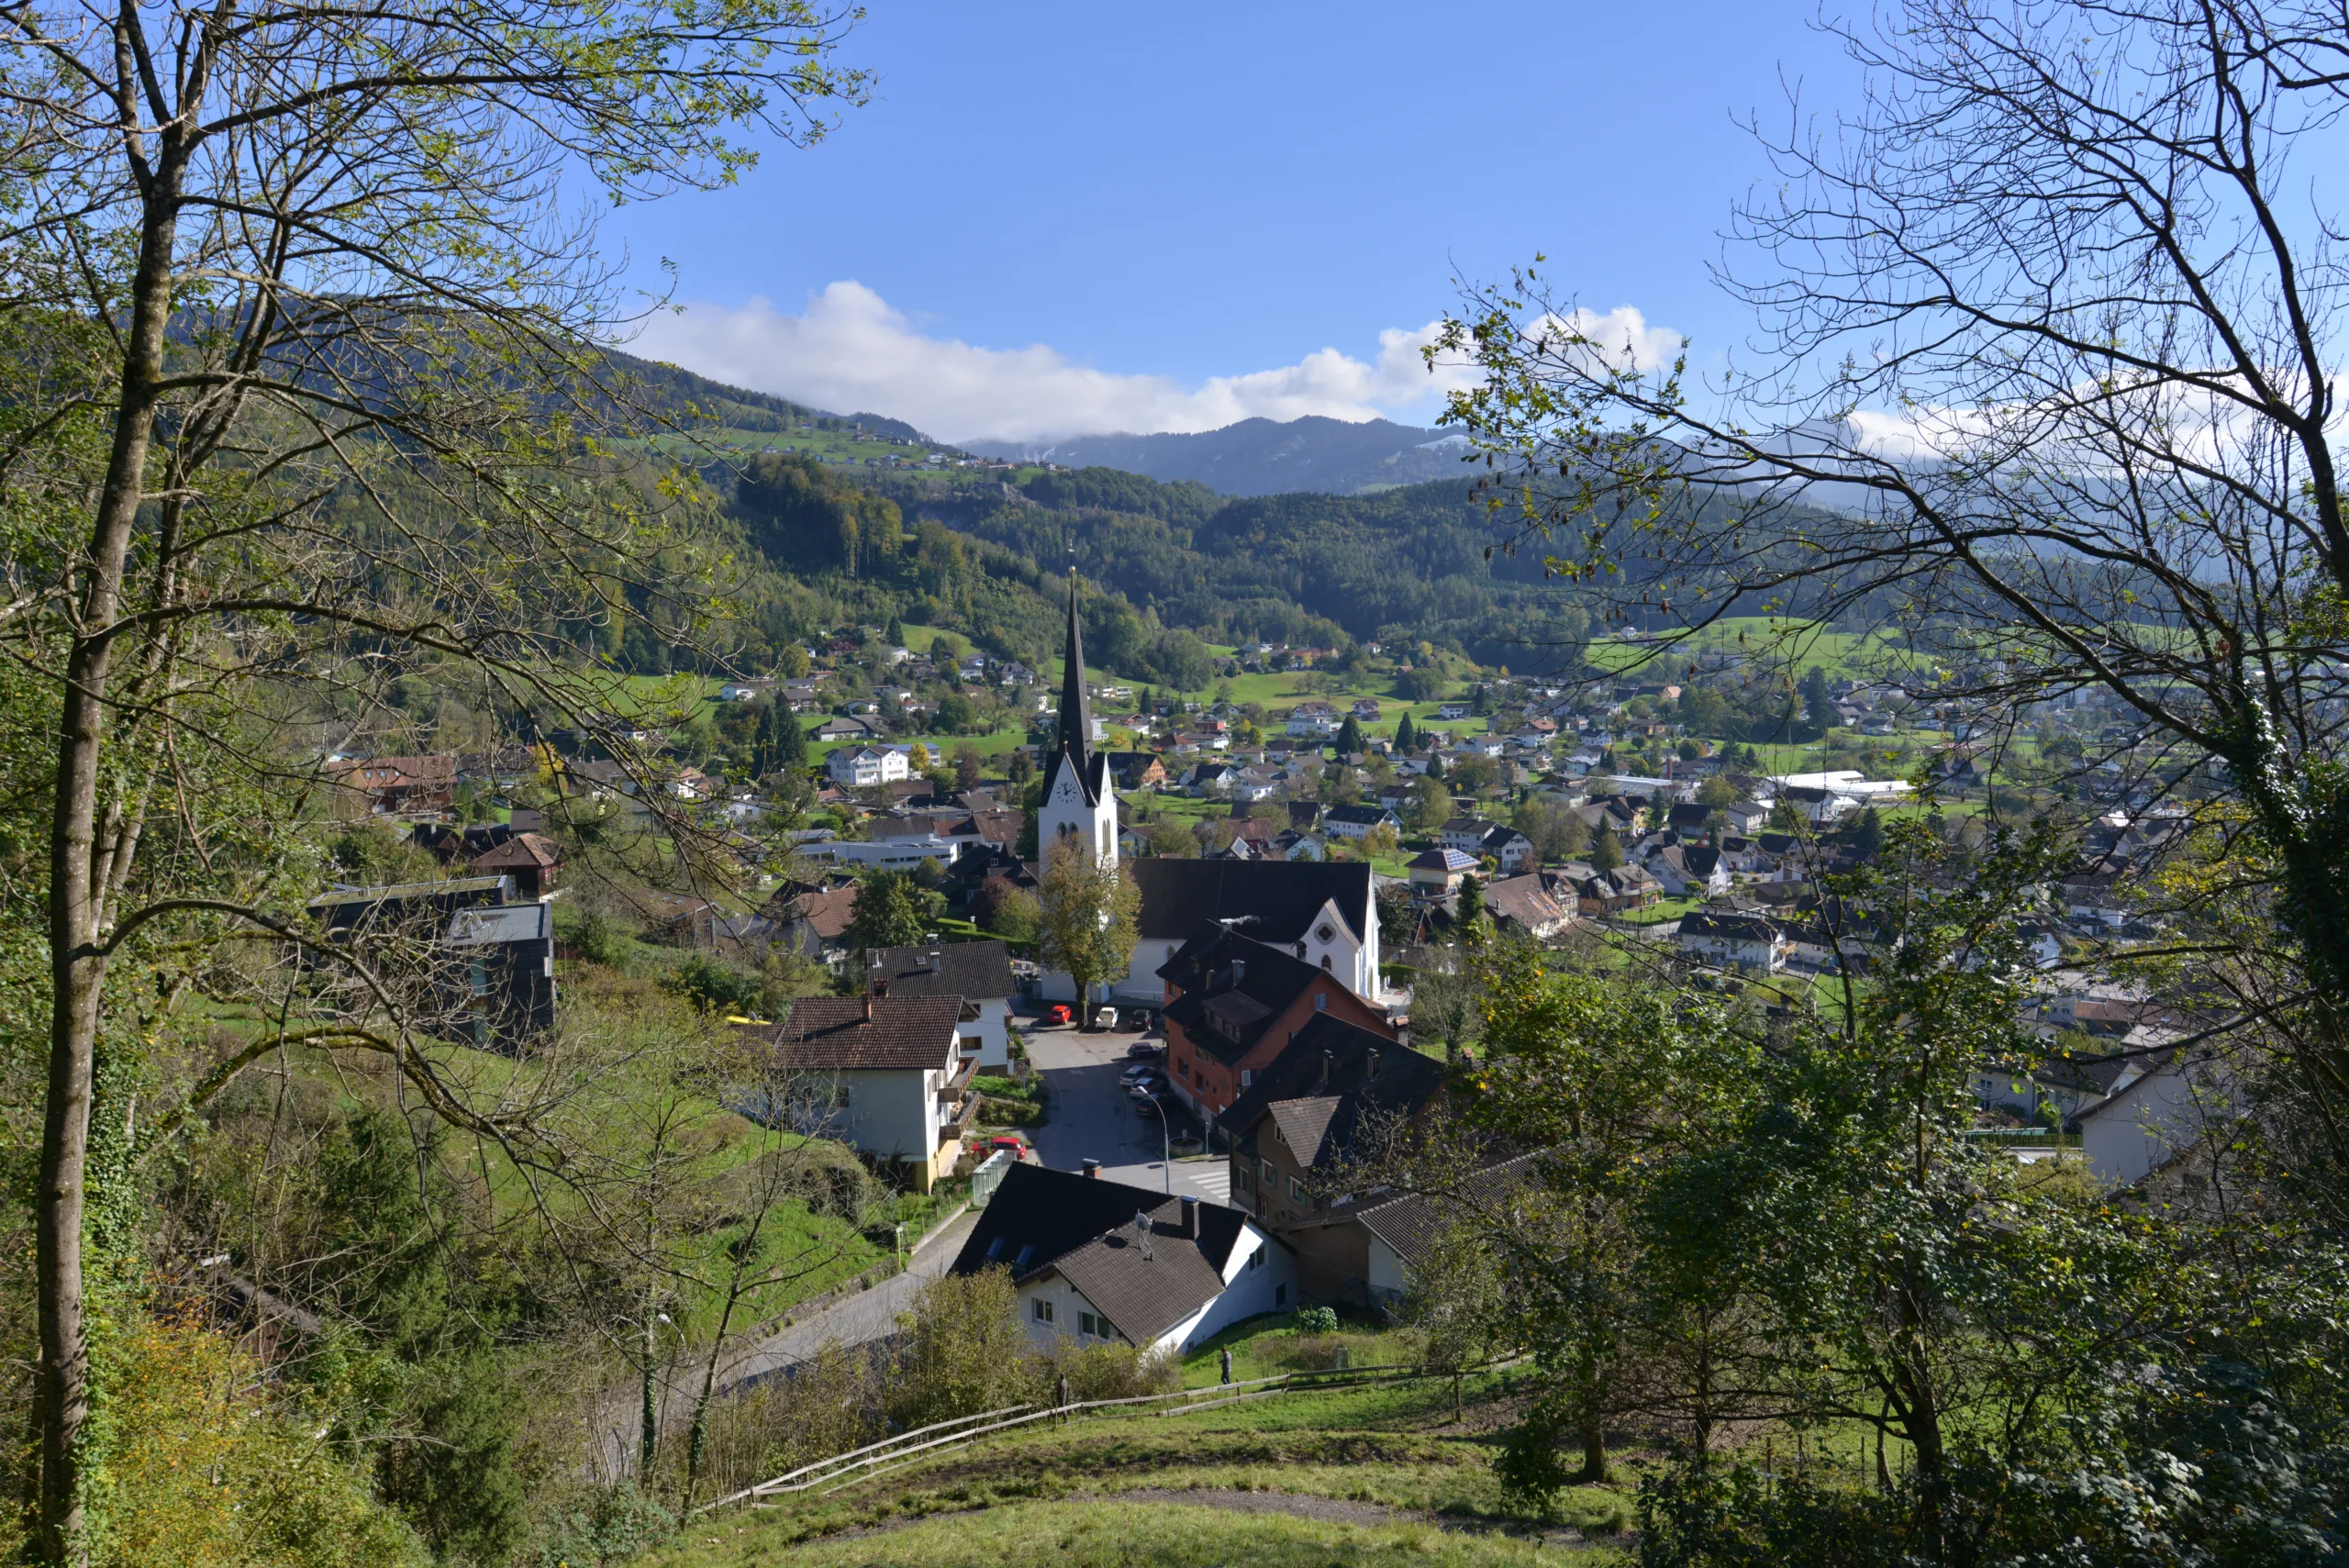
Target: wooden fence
point(876, 1458)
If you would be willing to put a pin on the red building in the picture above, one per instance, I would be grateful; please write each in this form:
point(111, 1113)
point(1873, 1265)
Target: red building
point(1232, 1004)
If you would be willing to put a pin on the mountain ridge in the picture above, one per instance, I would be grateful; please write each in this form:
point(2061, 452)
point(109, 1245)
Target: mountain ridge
point(1264, 457)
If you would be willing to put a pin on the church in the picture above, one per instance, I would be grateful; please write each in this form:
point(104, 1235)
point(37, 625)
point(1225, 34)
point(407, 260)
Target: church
point(1078, 807)
point(1325, 913)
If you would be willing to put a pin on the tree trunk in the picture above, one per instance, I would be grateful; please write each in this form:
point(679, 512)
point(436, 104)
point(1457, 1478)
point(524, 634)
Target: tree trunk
point(1594, 1452)
point(647, 1431)
point(76, 903)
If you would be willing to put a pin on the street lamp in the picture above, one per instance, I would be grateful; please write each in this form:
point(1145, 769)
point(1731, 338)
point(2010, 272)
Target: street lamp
point(1165, 1143)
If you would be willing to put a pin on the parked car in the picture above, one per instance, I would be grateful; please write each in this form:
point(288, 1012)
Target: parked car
point(1106, 1017)
point(1146, 1092)
point(1057, 1013)
point(1141, 1073)
point(1145, 1051)
point(1011, 1141)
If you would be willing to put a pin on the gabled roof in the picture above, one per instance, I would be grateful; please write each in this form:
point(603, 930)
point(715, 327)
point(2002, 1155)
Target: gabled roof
point(1730, 928)
point(1317, 1088)
point(1082, 1226)
point(1073, 748)
point(521, 849)
point(1411, 1225)
point(970, 971)
point(1525, 900)
point(1366, 816)
point(833, 1034)
point(1232, 988)
point(1276, 901)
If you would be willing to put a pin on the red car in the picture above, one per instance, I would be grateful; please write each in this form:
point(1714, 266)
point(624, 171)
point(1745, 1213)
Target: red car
point(1058, 1014)
point(1011, 1140)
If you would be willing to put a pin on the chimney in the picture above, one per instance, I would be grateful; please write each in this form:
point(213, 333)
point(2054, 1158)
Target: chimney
point(1190, 1218)
point(1093, 1169)
point(868, 1007)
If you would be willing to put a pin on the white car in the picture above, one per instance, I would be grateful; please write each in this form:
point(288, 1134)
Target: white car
point(1141, 1074)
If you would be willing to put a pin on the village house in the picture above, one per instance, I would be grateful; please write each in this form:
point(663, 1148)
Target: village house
point(1232, 1003)
point(1097, 1261)
point(885, 1074)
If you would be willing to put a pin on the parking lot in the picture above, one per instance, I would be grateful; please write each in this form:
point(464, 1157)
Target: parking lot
point(1092, 1117)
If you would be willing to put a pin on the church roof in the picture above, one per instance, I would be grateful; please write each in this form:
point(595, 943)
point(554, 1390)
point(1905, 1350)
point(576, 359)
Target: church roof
point(1075, 748)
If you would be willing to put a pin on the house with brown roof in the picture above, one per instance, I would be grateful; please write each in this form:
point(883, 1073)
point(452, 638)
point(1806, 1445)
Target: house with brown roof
point(1373, 1242)
point(979, 974)
point(1097, 1261)
point(531, 858)
point(885, 1074)
point(1232, 1004)
point(387, 786)
point(1528, 904)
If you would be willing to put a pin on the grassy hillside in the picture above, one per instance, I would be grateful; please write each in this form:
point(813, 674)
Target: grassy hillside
point(1356, 1475)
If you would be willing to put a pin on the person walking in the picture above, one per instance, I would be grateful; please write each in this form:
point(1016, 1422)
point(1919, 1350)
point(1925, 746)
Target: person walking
point(1227, 1363)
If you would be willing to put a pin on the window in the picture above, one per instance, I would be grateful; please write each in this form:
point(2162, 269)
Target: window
point(1256, 1259)
point(1296, 1189)
point(1280, 1296)
point(1088, 1324)
point(1043, 1310)
point(1324, 933)
point(1247, 1075)
point(1183, 1068)
point(1272, 1177)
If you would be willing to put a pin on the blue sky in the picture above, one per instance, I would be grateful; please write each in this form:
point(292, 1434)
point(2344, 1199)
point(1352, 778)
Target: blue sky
point(1054, 219)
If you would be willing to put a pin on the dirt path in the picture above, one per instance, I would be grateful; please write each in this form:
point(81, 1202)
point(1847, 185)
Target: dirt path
point(1329, 1510)
point(1295, 1505)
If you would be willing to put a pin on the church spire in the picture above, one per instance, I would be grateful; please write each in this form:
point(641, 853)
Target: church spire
point(1077, 712)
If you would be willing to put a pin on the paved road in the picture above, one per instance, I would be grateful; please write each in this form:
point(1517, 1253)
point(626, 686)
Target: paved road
point(1093, 1117)
point(855, 1319)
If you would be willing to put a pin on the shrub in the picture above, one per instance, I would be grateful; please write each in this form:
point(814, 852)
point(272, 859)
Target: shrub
point(1316, 1320)
point(1110, 1372)
point(961, 1349)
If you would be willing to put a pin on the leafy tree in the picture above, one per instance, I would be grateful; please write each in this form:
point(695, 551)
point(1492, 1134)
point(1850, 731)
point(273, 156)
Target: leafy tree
point(968, 766)
point(957, 715)
point(1717, 792)
point(892, 909)
point(1430, 805)
point(1089, 910)
point(297, 406)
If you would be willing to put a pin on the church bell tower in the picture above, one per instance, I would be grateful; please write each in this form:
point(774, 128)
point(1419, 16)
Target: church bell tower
point(1078, 805)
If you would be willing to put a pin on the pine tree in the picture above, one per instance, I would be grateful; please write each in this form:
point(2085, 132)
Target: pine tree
point(1405, 737)
point(790, 744)
point(1350, 740)
point(1606, 854)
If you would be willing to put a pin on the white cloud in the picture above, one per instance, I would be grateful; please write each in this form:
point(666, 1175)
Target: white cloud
point(849, 351)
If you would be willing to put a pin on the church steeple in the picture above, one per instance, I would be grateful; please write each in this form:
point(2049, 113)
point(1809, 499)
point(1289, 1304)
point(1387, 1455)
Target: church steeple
point(1076, 750)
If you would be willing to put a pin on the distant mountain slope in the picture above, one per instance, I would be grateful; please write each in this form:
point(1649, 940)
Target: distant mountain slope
point(682, 395)
point(1263, 457)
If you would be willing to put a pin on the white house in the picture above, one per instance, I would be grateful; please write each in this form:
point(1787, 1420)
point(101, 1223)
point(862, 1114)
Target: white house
point(884, 1074)
point(1324, 912)
point(861, 767)
point(1358, 821)
point(1734, 941)
point(1097, 1261)
point(2149, 1120)
point(977, 975)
